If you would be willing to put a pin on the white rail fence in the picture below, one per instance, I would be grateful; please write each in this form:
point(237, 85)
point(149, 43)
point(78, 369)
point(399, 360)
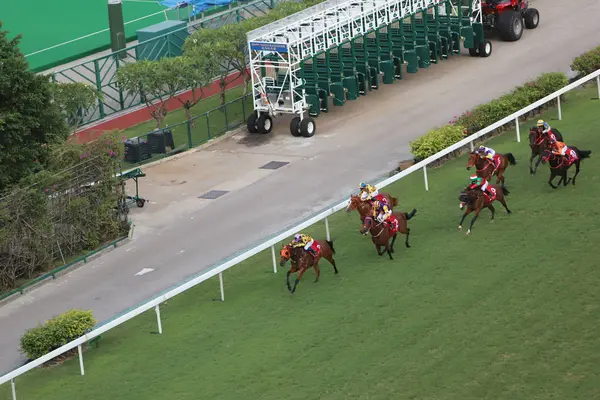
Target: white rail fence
point(220, 268)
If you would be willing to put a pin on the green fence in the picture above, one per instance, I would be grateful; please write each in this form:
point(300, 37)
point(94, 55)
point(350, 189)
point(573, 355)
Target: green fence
point(177, 138)
point(101, 72)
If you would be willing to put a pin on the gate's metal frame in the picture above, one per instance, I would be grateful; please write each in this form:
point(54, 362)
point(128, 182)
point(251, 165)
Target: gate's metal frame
point(276, 50)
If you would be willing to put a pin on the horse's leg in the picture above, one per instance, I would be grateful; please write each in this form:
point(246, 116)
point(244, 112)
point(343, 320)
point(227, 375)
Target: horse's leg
point(576, 171)
point(533, 155)
point(473, 220)
point(387, 247)
point(332, 262)
point(406, 240)
point(393, 241)
point(493, 210)
point(467, 212)
point(317, 271)
point(565, 179)
point(302, 270)
point(290, 271)
point(503, 202)
point(552, 176)
point(537, 163)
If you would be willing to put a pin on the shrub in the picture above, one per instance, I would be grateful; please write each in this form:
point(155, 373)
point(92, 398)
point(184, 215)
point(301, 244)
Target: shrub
point(587, 63)
point(57, 332)
point(436, 140)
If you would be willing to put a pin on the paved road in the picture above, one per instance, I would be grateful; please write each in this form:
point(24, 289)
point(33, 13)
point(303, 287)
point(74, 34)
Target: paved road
point(357, 142)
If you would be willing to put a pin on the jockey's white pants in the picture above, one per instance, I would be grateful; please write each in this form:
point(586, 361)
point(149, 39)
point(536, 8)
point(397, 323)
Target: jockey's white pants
point(365, 195)
point(308, 245)
point(484, 186)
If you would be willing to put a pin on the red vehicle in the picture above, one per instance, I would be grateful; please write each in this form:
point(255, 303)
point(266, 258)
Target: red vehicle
point(507, 17)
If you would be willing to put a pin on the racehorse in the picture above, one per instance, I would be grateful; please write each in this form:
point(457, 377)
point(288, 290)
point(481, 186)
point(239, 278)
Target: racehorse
point(476, 200)
point(485, 167)
point(538, 143)
point(302, 260)
point(355, 202)
point(381, 233)
point(559, 165)
point(365, 208)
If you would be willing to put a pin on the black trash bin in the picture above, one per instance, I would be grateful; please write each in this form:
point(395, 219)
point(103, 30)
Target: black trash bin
point(161, 142)
point(137, 150)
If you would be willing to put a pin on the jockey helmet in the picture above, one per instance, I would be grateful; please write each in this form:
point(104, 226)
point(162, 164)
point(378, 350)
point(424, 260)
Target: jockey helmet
point(473, 177)
point(363, 185)
point(540, 122)
point(297, 237)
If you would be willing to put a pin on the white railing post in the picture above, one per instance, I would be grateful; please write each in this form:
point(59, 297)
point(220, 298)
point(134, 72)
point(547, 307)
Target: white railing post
point(221, 285)
point(472, 146)
point(327, 228)
point(14, 389)
point(425, 176)
point(80, 359)
point(157, 309)
point(598, 83)
point(559, 109)
point(274, 259)
point(518, 128)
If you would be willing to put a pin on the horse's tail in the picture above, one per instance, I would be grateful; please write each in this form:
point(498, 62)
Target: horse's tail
point(412, 214)
point(511, 158)
point(394, 201)
point(505, 191)
point(330, 243)
point(584, 153)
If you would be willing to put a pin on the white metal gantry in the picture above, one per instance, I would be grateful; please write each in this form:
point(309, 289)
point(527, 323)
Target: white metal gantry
point(276, 49)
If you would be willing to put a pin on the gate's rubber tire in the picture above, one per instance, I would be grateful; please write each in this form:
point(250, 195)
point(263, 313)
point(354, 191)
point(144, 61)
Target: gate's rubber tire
point(295, 127)
point(532, 18)
point(264, 123)
point(251, 123)
point(485, 48)
point(308, 127)
point(474, 52)
point(510, 26)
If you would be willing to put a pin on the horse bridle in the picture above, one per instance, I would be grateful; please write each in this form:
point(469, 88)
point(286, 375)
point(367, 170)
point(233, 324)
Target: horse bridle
point(382, 229)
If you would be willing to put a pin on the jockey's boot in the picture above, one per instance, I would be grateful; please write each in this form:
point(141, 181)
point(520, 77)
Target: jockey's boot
point(489, 193)
point(312, 252)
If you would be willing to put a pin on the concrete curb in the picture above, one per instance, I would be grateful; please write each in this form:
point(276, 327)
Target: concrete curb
point(66, 271)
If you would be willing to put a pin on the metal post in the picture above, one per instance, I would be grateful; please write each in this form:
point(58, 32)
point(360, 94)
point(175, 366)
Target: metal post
point(598, 82)
point(518, 129)
point(80, 359)
point(221, 284)
point(157, 309)
point(472, 146)
point(274, 259)
point(559, 109)
point(14, 389)
point(425, 176)
point(327, 229)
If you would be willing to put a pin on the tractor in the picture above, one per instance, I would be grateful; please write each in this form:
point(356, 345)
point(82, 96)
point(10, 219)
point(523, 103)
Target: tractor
point(508, 16)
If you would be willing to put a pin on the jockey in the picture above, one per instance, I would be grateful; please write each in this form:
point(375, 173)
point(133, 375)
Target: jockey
point(477, 181)
point(367, 192)
point(544, 125)
point(559, 148)
point(303, 240)
point(488, 153)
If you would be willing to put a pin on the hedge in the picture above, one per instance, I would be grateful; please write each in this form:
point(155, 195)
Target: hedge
point(57, 332)
point(587, 63)
point(487, 114)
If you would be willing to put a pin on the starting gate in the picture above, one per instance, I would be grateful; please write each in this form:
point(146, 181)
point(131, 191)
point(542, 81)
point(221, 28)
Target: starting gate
point(343, 49)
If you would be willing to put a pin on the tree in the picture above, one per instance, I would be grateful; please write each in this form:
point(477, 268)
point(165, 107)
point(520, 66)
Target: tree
point(213, 43)
point(146, 79)
point(73, 99)
point(29, 120)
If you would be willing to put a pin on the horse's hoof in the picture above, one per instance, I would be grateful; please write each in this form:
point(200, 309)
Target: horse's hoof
point(408, 246)
point(469, 232)
point(460, 227)
point(492, 221)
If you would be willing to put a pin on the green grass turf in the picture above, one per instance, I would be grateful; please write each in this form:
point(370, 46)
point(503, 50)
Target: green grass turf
point(211, 120)
point(47, 23)
point(508, 313)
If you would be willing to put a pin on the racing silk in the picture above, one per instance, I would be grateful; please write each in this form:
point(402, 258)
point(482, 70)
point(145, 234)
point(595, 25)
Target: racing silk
point(304, 241)
point(478, 182)
point(559, 148)
point(488, 153)
point(368, 192)
point(546, 127)
point(381, 211)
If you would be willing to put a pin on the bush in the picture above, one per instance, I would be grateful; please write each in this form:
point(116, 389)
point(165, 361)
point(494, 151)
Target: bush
point(487, 114)
point(587, 63)
point(436, 140)
point(57, 332)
